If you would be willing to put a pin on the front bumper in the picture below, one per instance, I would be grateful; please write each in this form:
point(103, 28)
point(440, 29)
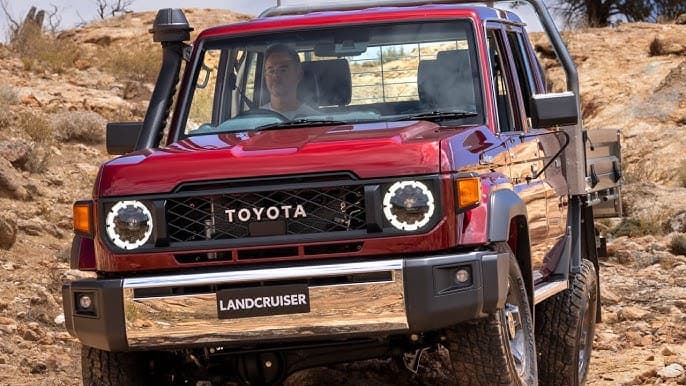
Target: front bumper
point(355, 298)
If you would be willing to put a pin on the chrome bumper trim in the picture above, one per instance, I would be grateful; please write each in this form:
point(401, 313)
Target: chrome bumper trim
point(256, 275)
point(354, 308)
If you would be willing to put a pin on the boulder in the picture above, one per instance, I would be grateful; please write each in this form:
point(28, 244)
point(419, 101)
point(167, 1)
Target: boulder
point(672, 371)
point(10, 181)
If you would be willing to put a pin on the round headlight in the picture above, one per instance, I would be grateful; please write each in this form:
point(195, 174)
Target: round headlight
point(129, 224)
point(408, 205)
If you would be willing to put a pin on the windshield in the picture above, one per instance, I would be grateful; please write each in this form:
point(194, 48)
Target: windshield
point(421, 70)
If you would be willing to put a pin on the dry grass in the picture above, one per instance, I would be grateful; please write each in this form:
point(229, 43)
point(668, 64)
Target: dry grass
point(656, 47)
point(138, 63)
point(6, 116)
point(79, 126)
point(36, 126)
point(637, 227)
point(678, 245)
point(8, 95)
point(44, 52)
point(39, 159)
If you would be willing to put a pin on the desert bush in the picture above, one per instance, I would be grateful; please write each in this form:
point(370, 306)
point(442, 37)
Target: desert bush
point(637, 227)
point(39, 159)
point(41, 51)
point(138, 63)
point(678, 244)
point(36, 126)
point(6, 116)
point(8, 95)
point(656, 47)
point(79, 126)
point(589, 108)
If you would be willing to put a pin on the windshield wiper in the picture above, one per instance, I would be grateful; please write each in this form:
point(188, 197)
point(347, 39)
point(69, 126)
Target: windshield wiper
point(438, 115)
point(300, 123)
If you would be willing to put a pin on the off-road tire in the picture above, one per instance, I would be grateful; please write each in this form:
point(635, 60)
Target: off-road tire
point(565, 326)
point(480, 350)
point(104, 368)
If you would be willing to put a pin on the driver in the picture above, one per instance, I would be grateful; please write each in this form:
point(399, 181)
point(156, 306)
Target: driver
point(283, 73)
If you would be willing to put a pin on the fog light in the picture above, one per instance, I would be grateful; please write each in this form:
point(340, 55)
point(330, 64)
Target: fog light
point(461, 276)
point(85, 302)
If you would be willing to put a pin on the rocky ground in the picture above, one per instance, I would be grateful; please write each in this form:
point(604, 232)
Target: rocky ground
point(632, 78)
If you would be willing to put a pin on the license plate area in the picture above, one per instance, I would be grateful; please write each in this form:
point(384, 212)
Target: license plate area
point(263, 301)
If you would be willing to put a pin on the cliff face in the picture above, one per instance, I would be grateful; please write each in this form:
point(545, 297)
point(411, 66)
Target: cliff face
point(51, 143)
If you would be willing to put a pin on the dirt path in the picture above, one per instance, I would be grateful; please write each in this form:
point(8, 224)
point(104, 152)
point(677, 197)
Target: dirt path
point(644, 328)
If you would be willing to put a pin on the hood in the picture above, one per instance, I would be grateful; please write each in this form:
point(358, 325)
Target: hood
point(367, 150)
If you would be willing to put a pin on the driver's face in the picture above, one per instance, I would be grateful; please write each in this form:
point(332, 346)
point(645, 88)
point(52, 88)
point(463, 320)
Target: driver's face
point(282, 73)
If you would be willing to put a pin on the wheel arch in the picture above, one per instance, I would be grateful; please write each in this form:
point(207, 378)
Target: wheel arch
point(507, 223)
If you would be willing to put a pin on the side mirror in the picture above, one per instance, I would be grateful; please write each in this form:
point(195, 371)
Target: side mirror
point(554, 109)
point(122, 137)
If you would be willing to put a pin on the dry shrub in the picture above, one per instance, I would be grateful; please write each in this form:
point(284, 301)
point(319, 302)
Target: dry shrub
point(137, 63)
point(79, 126)
point(637, 227)
point(39, 159)
point(36, 126)
point(6, 116)
point(40, 51)
point(656, 47)
point(8, 95)
point(678, 244)
point(589, 108)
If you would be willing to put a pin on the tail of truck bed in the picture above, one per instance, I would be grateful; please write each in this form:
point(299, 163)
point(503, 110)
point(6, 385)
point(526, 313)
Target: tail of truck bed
point(604, 171)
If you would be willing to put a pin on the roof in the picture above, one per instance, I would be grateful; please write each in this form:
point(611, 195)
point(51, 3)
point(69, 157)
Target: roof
point(360, 16)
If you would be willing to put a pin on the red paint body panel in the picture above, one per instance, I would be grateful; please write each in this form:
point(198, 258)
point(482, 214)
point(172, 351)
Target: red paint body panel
point(367, 150)
point(337, 18)
point(443, 236)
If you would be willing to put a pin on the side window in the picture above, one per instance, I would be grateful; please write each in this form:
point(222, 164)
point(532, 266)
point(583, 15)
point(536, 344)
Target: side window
point(502, 90)
point(202, 107)
point(527, 84)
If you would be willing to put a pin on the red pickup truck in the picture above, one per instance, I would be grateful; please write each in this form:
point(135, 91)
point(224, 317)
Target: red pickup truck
point(421, 188)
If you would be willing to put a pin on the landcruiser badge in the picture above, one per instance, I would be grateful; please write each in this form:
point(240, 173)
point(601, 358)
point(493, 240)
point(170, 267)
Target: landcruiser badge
point(265, 213)
point(263, 301)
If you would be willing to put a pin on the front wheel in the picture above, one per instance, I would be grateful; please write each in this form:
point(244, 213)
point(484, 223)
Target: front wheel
point(565, 327)
point(498, 349)
point(104, 368)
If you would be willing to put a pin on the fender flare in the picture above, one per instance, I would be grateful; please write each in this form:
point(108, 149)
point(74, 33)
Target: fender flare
point(504, 205)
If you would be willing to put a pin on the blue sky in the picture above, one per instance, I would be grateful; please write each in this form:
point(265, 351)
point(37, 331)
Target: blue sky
point(74, 12)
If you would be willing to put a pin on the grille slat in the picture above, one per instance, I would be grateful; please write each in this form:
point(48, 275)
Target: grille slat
point(227, 216)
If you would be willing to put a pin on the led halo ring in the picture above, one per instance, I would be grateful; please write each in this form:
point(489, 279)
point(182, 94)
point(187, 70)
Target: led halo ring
point(393, 219)
point(110, 226)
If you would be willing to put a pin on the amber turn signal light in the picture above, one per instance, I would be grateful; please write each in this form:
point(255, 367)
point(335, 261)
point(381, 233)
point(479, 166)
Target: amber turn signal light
point(83, 217)
point(468, 192)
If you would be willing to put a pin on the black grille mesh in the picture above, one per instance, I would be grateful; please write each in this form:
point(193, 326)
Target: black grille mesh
point(328, 209)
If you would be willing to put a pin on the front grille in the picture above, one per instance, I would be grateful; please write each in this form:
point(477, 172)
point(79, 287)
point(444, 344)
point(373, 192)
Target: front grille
point(271, 213)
